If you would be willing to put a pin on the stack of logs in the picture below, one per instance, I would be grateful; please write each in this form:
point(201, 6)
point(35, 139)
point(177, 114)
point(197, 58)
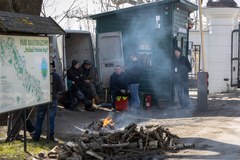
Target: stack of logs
point(131, 140)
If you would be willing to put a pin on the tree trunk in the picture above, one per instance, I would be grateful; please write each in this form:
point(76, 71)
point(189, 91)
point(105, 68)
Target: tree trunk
point(22, 6)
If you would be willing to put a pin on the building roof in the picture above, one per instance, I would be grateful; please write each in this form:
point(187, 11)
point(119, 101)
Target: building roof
point(186, 5)
point(222, 3)
point(24, 23)
point(77, 31)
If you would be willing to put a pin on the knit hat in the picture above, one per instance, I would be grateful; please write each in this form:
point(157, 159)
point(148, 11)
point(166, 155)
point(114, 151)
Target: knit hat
point(74, 62)
point(86, 61)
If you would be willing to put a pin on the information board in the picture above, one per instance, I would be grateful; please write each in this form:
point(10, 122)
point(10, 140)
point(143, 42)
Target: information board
point(24, 72)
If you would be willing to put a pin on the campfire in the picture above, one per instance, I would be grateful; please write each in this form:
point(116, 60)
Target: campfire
point(105, 124)
point(108, 121)
point(100, 142)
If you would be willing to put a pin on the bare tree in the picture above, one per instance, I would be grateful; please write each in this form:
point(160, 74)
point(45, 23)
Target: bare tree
point(22, 6)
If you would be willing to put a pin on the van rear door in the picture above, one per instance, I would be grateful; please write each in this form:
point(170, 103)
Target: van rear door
point(110, 54)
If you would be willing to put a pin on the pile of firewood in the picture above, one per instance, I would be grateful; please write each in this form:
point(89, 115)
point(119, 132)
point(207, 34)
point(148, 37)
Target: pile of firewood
point(96, 143)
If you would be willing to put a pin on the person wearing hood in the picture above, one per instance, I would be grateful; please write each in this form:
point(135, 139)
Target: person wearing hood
point(181, 67)
point(74, 75)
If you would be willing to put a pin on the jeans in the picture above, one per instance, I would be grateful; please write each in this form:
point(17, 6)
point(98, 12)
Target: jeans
point(134, 100)
point(80, 96)
point(77, 96)
point(183, 93)
point(42, 110)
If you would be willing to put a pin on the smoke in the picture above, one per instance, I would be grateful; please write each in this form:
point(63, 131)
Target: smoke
point(123, 119)
point(152, 116)
point(150, 37)
point(148, 32)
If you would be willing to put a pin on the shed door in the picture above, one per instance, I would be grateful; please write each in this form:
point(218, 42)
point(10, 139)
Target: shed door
point(110, 55)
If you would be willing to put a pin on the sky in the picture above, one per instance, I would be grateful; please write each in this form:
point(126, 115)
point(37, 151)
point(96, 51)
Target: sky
point(57, 8)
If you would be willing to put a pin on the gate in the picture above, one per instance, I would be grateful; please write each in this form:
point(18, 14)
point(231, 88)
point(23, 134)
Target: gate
point(195, 63)
point(235, 61)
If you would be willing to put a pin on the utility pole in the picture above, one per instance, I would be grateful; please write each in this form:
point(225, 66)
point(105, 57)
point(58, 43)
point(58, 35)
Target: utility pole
point(203, 76)
point(204, 68)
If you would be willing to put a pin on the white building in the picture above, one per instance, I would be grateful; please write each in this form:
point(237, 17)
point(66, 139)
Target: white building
point(217, 45)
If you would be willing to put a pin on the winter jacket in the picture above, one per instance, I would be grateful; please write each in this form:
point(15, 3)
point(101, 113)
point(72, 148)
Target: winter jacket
point(89, 74)
point(74, 75)
point(181, 67)
point(133, 72)
point(57, 85)
point(118, 82)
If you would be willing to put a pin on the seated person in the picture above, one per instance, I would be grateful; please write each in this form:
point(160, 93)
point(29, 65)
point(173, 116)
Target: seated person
point(73, 75)
point(88, 80)
point(118, 84)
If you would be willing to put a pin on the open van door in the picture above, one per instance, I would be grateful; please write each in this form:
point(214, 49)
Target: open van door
point(110, 54)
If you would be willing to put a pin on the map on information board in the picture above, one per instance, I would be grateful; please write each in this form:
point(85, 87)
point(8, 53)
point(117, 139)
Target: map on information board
point(24, 72)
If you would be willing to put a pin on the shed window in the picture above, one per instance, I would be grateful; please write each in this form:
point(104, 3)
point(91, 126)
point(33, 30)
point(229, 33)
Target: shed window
point(145, 51)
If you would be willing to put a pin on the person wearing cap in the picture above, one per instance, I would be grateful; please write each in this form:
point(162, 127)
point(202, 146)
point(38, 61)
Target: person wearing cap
point(74, 76)
point(88, 80)
point(181, 67)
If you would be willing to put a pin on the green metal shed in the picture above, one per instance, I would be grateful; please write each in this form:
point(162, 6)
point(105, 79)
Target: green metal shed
point(152, 30)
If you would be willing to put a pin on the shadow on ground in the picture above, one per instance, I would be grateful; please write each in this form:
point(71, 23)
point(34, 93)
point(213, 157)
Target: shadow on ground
point(207, 149)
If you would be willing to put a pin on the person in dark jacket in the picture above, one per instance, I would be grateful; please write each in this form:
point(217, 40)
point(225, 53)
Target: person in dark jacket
point(57, 86)
point(118, 84)
point(88, 78)
point(181, 67)
point(133, 79)
point(75, 78)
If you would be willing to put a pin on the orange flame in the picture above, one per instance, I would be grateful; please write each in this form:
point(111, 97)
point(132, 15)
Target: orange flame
point(108, 121)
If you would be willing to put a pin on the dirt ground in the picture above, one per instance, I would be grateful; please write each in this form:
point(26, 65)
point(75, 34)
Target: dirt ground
point(214, 132)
